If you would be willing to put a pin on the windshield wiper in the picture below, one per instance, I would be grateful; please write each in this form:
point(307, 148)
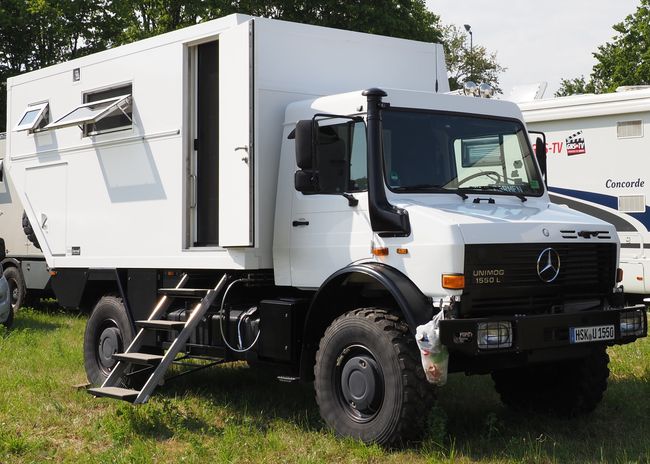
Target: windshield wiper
point(497, 188)
point(428, 188)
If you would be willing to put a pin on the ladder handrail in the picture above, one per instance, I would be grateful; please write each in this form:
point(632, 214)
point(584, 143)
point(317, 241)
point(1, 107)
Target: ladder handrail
point(190, 325)
point(160, 309)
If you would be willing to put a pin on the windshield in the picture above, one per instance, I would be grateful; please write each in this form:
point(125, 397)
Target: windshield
point(443, 152)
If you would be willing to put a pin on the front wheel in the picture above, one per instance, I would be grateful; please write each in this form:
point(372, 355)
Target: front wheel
point(566, 388)
point(369, 380)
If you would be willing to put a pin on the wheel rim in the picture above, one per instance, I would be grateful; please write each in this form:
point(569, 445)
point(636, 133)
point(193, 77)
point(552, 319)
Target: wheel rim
point(359, 383)
point(109, 342)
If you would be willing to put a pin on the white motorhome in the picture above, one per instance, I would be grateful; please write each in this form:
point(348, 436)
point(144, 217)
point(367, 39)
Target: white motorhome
point(243, 190)
point(24, 265)
point(597, 161)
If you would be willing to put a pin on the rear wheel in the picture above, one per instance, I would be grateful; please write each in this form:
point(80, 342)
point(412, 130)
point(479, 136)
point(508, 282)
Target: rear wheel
point(369, 380)
point(567, 388)
point(16, 287)
point(108, 331)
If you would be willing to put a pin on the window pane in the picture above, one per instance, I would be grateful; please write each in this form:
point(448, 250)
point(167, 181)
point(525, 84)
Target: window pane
point(436, 152)
point(84, 113)
point(115, 120)
point(342, 157)
point(359, 159)
point(29, 117)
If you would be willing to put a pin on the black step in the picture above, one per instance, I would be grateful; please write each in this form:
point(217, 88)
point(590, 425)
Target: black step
point(143, 359)
point(117, 393)
point(183, 292)
point(161, 325)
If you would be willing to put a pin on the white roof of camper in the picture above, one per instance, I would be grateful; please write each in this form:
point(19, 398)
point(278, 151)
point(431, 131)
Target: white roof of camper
point(588, 105)
point(353, 101)
point(193, 33)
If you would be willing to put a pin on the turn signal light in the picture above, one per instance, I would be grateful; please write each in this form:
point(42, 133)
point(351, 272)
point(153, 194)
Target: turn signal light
point(619, 275)
point(380, 251)
point(453, 281)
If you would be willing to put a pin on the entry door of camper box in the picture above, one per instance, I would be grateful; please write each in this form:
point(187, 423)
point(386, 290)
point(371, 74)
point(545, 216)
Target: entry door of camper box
point(236, 154)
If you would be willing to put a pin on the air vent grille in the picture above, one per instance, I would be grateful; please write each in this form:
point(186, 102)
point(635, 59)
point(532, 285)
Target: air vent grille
point(626, 129)
point(587, 234)
point(632, 203)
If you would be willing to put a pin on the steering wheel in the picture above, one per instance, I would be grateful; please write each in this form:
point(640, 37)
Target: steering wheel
point(490, 174)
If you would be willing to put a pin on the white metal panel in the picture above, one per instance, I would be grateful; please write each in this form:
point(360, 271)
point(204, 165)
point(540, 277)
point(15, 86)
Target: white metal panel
point(334, 235)
point(46, 189)
point(235, 144)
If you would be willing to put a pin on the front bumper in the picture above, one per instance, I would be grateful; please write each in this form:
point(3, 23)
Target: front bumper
point(539, 332)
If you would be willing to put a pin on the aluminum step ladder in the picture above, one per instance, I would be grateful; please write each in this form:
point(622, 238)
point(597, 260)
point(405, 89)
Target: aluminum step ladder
point(158, 363)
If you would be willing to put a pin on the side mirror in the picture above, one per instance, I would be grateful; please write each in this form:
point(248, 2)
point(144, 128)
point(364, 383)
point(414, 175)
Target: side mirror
point(306, 181)
point(305, 146)
point(540, 154)
point(3, 251)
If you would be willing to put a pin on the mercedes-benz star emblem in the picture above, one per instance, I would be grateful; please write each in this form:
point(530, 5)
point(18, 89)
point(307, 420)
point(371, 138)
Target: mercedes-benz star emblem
point(548, 265)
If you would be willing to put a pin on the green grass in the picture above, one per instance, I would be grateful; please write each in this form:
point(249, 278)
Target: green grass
point(235, 414)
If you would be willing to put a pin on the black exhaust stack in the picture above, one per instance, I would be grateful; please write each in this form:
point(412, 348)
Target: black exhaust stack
point(386, 220)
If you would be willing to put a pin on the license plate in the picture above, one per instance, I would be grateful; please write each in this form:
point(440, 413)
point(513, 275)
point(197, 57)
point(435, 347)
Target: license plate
point(591, 334)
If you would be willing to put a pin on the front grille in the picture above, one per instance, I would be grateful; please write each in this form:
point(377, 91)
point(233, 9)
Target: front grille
point(503, 278)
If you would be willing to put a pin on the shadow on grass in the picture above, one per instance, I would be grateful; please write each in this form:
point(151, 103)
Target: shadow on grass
point(254, 396)
point(481, 428)
point(26, 320)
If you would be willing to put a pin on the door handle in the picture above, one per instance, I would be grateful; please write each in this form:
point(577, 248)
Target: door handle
point(300, 223)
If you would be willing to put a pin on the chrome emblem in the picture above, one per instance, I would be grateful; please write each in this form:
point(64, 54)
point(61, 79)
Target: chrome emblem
point(548, 265)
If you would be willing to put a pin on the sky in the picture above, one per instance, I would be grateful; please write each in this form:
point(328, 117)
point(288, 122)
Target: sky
point(538, 41)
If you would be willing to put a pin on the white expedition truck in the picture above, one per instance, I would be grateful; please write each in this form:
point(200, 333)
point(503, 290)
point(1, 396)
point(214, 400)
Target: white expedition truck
point(24, 265)
point(230, 192)
point(598, 164)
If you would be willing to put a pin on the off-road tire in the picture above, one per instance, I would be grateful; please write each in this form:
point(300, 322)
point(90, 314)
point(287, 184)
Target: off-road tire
point(108, 331)
point(568, 388)
point(17, 288)
point(374, 343)
point(29, 231)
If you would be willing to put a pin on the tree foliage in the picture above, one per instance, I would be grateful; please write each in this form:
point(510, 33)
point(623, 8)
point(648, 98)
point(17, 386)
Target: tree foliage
point(623, 61)
point(465, 64)
point(398, 18)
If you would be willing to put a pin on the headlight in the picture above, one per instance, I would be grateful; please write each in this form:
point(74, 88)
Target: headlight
point(492, 335)
point(632, 323)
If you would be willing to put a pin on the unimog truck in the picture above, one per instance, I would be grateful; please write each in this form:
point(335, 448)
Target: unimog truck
point(303, 199)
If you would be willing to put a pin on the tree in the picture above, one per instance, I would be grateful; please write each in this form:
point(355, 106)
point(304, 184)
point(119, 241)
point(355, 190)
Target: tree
point(575, 86)
point(624, 61)
point(398, 18)
point(463, 64)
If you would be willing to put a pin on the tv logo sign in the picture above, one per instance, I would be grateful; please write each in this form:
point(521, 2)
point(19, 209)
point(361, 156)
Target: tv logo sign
point(575, 144)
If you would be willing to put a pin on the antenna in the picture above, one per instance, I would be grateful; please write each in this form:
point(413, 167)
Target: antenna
point(436, 67)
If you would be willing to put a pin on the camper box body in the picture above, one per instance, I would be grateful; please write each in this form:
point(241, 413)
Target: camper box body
point(598, 163)
point(24, 266)
point(191, 183)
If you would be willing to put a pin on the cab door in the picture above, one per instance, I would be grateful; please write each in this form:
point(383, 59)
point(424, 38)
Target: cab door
point(328, 231)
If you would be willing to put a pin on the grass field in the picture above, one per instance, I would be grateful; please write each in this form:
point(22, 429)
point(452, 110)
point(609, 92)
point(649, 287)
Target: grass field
point(234, 414)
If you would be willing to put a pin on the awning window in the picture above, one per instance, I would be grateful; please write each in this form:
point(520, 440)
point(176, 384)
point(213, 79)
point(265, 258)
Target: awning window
point(32, 117)
point(91, 113)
